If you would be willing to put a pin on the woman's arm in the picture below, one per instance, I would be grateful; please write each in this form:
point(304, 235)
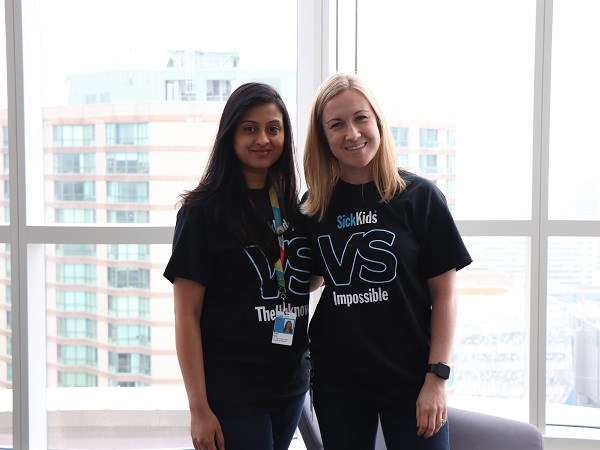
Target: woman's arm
point(431, 403)
point(189, 298)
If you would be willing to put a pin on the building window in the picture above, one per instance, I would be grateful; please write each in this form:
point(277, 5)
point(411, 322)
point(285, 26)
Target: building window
point(67, 215)
point(67, 273)
point(129, 335)
point(403, 159)
point(113, 216)
point(128, 306)
point(123, 162)
point(88, 250)
point(218, 90)
point(428, 163)
point(6, 185)
point(76, 301)
point(76, 328)
point(127, 134)
point(428, 138)
point(135, 363)
point(74, 163)
point(5, 137)
point(136, 278)
point(400, 136)
point(74, 190)
point(129, 252)
point(77, 355)
point(77, 379)
point(452, 139)
point(74, 135)
point(127, 191)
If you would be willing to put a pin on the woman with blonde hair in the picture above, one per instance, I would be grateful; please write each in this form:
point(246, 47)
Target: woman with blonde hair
point(386, 244)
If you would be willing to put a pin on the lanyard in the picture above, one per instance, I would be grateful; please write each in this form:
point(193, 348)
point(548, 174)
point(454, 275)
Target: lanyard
point(279, 230)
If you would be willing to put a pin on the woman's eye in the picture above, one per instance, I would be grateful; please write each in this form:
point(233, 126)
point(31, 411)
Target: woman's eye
point(335, 125)
point(362, 118)
point(248, 129)
point(273, 130)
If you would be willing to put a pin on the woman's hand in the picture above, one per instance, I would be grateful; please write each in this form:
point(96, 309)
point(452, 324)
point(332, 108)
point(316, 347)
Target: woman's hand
point(206, 430)
point(432, 410)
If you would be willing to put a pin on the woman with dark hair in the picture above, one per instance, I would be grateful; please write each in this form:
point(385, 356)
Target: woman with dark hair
point(239, 258)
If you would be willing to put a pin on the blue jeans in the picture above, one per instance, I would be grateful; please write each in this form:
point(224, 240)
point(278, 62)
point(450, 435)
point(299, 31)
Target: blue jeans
point(272, 430)
point(350, 423)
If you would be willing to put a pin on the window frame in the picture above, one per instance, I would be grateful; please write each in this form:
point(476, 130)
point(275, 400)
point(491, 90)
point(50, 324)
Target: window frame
point(318, 51)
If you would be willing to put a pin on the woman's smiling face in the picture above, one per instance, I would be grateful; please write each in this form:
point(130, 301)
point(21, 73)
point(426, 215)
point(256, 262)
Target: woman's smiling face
point(350, 126)
point(258, 142)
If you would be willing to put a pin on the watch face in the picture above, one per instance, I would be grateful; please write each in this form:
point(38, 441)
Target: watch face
point(443, 371)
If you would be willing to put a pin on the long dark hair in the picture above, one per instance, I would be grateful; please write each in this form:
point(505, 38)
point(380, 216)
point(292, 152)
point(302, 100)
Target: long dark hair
point(223, 186)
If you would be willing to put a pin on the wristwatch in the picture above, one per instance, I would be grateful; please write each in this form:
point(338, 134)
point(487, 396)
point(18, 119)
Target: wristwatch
point(440, 369)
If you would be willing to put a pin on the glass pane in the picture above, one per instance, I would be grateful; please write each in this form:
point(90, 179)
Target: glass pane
point(4, 164)
point(575, 94)
point(458, 92)
point(573, 336)
point(6, 351)
point(110, 334)
point(129, 119)
point(491, 334)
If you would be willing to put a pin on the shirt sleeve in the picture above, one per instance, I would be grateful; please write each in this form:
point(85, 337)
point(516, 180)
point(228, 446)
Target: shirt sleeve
point(190, 252)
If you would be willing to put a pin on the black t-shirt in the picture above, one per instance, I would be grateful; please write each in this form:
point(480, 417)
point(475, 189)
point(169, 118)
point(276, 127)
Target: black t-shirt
point(370, 331)
point(245, 372)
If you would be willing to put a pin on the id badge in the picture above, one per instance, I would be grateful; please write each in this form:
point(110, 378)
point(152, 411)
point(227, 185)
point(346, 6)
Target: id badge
point(284, 328)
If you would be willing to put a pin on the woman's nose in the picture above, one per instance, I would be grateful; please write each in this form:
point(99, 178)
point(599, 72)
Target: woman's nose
point(262, 138)
point(352, 133)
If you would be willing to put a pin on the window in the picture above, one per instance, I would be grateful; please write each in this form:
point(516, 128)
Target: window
point(74, 163)
point(460, 72)
point(129, 252)
point(428, 138)
point(126, 134)
point(128, 216)
point(129, 363)
point(428, 164)
point(74, 190)
point(127, 163)
point(76, 379)
point(69, 215)
point(218, 90)
point(76, 250)
point(138, 335)
point(76, 328)
point(73, 135)
point(77, 355)
point(76, 301)
point(75, 273)
point(400, 136)
point(127, 191)
point(128, 278)
point(129, 306)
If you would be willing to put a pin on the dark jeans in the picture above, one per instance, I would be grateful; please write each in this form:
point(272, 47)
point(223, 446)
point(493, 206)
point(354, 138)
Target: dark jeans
point(271, 430)
point(350, 423)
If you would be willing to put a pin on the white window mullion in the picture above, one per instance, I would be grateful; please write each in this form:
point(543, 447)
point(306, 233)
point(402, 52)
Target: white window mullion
point(539, 240)
point(25, 136)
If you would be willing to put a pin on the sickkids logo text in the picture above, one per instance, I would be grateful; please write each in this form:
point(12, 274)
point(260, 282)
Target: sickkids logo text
point(356, 218)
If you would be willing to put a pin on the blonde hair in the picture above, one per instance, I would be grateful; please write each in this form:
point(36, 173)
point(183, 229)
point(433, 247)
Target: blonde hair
point(321, 168)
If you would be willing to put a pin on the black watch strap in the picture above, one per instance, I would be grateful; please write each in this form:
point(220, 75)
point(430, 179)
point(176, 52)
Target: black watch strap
point(440, 369)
